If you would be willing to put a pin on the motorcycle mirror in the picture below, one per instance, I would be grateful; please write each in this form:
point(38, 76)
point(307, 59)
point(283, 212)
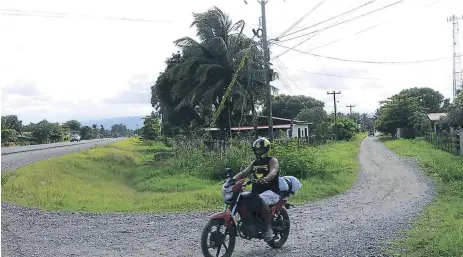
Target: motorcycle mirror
point(228, 171)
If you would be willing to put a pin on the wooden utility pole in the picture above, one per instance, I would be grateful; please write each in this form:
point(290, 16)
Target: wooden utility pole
point(334, 93)
point(350, 108)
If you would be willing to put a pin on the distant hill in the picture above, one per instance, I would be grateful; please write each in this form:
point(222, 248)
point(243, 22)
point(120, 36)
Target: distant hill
point(130, 122)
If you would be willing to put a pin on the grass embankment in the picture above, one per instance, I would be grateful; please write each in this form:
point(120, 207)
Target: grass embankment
point(124, 177)
point(439, 230)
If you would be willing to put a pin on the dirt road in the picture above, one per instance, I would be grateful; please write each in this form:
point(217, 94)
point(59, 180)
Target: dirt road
point(388, 195)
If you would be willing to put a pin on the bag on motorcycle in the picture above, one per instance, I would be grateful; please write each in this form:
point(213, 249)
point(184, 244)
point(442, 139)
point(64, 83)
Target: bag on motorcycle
point(289, 183)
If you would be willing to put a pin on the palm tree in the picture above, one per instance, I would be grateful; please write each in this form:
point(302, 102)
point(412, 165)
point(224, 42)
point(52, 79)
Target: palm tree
point(210, 64)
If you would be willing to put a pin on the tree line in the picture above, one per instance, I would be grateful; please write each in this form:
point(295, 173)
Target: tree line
point(408, 109)
point(13, 131)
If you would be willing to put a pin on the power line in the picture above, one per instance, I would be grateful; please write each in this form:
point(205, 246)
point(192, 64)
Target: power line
point(298, 44)
point(340, 23)
point(368, 62)
point(17, 12)
point(332, 18)
point(341, 39)
point(352, 77)
point(301, 19)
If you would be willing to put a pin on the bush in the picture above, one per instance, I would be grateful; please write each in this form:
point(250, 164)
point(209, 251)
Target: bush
point(193, 158)
point(9, 135)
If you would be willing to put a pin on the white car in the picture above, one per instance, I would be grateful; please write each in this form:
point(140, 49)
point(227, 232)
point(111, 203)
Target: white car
point(75, 137)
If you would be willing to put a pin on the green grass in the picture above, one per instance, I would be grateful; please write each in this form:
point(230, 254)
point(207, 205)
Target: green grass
point(439, 230)
point(122, 177)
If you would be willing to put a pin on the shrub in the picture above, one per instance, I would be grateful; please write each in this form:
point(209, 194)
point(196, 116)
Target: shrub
point(9, 135)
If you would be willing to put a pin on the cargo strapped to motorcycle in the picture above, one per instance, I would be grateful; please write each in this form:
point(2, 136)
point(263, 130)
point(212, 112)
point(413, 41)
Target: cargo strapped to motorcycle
point(290, 185)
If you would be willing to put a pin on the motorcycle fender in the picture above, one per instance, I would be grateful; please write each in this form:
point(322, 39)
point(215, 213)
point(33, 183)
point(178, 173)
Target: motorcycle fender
point(224, 216)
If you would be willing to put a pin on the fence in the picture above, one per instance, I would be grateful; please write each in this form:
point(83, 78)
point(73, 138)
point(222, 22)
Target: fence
point(447, 142)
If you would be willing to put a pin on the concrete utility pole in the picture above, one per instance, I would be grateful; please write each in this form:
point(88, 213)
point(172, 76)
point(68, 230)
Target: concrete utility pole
point(457, 72)
point(334, 93)
point(267, 68)
point(350, 108)
point(263, 37)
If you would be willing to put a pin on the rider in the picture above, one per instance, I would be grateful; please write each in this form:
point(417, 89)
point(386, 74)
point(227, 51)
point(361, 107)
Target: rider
point(265, 169)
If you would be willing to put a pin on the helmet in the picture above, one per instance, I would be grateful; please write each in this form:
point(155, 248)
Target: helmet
point(261, 147)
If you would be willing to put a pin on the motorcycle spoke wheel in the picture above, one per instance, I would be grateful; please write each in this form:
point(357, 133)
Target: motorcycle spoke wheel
point(217, 240)
point(281, 237)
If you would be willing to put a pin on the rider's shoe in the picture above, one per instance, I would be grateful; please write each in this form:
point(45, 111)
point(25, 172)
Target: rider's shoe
point(268, 234)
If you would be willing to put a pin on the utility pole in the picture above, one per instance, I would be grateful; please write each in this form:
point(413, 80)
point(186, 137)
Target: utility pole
point(350, 108)
point(350, 111)
point(267, 73)
point(457, 72)
point(334, 93)
point(267, 68)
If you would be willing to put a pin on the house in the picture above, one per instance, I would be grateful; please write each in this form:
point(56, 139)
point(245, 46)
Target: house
point(436, 119)
point(299, 128)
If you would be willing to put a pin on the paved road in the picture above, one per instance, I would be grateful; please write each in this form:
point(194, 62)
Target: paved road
point(389, 193)
point(16, 158)
point(16, 149)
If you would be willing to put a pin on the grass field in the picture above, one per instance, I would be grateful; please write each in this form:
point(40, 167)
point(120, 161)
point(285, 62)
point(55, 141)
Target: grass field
point(122, 177)
point(439, 230)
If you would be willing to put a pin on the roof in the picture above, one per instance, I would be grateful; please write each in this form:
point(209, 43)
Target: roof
point(436, 116)
point(245, 128)
point(283, 119)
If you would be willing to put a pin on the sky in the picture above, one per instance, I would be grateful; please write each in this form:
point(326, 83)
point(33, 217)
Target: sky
point(92, 64)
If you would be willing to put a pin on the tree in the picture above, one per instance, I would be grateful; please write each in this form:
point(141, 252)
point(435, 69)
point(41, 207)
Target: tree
point(151, 128)
point(9, 135)
point(402, 111)
point(87, 133)
point(45, 131)
point(316, 114)
point(431, 100)
point(199, 76)
point(12, 122)
point(289, 106)
point(121, 129)
point(455, 114)
point(346, 127)
point(74, 125)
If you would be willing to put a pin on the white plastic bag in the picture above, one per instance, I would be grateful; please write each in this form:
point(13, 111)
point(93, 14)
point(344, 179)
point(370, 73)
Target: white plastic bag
point(284, 186)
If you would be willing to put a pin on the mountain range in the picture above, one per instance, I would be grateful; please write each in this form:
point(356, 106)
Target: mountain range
point(130, 122)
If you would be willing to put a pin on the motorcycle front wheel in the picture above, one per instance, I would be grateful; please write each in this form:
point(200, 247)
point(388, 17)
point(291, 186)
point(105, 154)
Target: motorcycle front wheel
point(282, 219)
point(215, 237)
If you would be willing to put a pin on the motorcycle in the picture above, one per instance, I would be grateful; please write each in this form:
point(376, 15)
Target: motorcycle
point(238, 218)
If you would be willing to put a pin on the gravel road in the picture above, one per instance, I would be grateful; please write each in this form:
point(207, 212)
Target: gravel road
point(388, 195)
point(15, 158)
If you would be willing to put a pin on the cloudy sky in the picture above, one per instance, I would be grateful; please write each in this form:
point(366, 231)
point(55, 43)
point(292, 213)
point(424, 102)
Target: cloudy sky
point(91, 63)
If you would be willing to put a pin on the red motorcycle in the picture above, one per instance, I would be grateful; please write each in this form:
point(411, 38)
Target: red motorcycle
point(238, 219)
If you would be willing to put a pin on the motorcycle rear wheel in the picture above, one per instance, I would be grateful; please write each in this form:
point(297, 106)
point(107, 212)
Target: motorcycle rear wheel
point(205, 239)
point(283, 216)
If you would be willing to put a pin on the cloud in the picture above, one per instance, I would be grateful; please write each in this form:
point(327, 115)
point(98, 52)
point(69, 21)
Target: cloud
point(139, 91)
point(21, 88)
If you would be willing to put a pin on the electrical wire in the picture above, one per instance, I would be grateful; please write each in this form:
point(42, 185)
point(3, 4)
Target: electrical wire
point(341, 39)
point(344, 38)
point(332, 18)
point(301, 19)
point(17, 12)
point(343, 22)
point(351, 77)
point(367, 62)
point(298, 44)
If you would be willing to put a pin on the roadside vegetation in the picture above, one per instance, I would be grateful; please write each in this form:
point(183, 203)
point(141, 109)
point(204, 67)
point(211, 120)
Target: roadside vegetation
point(439, 230)
point(136, 176)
